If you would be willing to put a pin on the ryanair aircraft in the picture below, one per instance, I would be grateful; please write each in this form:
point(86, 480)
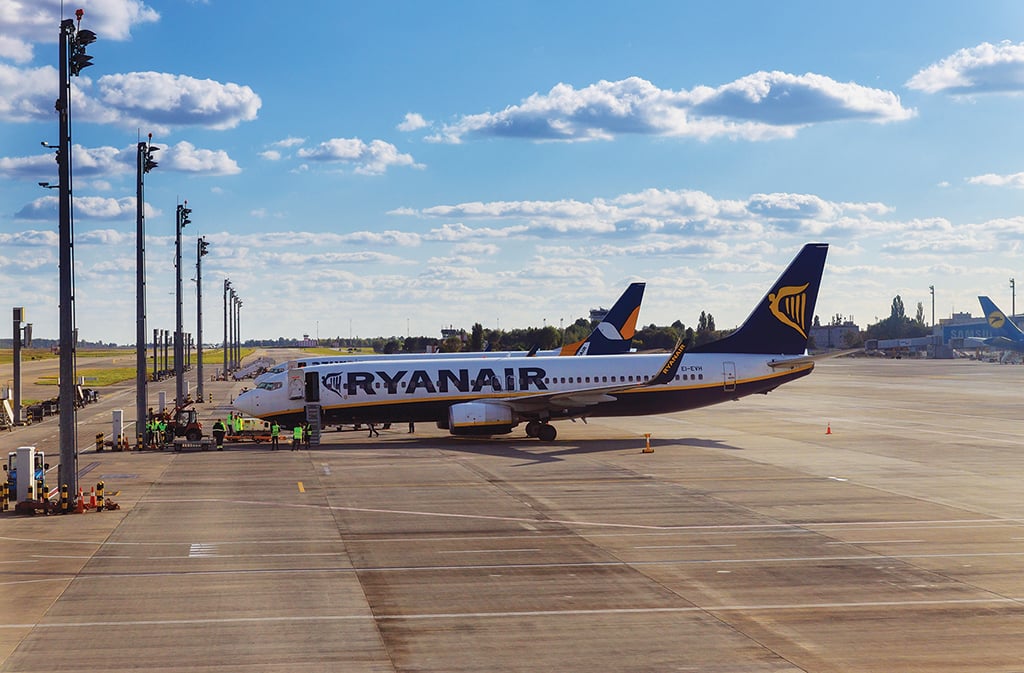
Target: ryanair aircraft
point(613, 335)
point(481, 396)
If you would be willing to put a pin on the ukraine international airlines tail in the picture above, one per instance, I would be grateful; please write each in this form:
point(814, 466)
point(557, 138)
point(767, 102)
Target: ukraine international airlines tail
point(1005, 333)
point(483, 396)
point(612, 335)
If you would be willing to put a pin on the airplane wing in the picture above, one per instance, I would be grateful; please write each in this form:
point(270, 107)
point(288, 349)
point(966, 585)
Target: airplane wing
point(587, 397)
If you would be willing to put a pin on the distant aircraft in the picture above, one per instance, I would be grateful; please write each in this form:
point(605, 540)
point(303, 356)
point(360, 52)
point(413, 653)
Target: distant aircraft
point(611, 336)
point(483, 396)
point(1005, 333)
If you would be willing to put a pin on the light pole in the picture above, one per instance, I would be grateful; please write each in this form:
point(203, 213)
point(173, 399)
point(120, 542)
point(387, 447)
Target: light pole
point(932, 289)
point(202, 249)
point(144, 163)
point(73, 59)
point(183, 211)
point(231, 328)
point(227, 289)
point(19, 317)
point(238, 332)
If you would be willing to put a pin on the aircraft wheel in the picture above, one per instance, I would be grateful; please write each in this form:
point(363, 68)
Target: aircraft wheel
point(546, 432)
point(531, 428)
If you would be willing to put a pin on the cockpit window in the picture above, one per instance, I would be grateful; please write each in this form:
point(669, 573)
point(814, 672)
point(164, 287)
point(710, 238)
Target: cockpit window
point(269, 385)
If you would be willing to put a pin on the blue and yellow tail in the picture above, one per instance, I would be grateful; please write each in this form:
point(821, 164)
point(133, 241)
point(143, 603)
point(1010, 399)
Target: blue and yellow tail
point(781, 322)
point(1001, 325)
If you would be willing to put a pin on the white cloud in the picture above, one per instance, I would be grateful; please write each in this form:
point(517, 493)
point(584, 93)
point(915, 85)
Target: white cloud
point(371, 158)
point(36, 21)
point(270, 155)
point(1015, 180)
point(187, 158)
point(109, 161)
point(386, 238)
point(141, 98)
point(760, 106)
point(413, 121)
point(289, 142)
point(986, 68)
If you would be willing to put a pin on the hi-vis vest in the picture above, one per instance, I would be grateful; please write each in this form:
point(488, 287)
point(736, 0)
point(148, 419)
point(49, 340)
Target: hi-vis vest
point(275, 430)
point(297, 432)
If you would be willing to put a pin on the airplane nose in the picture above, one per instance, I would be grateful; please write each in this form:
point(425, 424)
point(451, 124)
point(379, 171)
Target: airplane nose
point(248, 403)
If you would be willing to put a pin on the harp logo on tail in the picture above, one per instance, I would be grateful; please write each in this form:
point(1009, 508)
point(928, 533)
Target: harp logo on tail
point(996, 319)
point(789, 306)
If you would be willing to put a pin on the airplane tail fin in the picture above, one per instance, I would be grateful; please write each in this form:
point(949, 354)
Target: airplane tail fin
point(780, 323)
point(613, 335)
point(999, 322)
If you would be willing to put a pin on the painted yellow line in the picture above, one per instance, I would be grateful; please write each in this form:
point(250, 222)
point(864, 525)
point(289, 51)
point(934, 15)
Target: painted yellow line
point(302, 489)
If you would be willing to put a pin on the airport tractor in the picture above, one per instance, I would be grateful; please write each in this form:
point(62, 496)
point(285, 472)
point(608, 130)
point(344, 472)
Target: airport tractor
point(184, 422)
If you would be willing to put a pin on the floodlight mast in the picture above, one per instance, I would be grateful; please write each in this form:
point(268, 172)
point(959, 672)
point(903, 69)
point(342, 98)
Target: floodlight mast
point(144, 164)
point(202, 249)
point(183, 211)
point(73, 59)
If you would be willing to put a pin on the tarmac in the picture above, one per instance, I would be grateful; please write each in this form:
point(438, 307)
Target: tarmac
point(867, 517)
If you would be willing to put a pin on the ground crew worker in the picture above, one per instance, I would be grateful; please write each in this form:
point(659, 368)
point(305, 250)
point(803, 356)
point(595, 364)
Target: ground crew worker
point(218, 434)
point(239, 424)
point(161, 429)
point(305, 435)
point(373, 431)
point(296, 437)
point(275, 433)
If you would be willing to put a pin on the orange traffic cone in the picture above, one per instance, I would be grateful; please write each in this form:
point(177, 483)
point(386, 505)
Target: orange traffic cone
point(92, 497)
point(80, 503)
point(828, 429)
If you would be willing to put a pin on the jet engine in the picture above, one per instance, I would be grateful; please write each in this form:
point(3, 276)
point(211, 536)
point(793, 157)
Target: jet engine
point(480, 418)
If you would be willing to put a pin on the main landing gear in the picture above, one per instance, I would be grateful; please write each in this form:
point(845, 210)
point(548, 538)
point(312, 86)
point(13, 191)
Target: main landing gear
point(545, 432)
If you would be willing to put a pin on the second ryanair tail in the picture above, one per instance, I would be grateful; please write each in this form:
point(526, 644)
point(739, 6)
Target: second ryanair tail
point(614, 334)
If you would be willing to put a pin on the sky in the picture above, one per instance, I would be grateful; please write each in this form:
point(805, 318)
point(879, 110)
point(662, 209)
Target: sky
point(394, 168)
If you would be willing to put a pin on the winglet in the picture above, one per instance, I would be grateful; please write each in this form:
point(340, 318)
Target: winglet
point(671, 366)
point(533, 351)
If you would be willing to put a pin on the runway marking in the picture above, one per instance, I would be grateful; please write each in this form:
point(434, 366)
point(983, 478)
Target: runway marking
point(876, 542)
point(302, 489)
point(873, 558)
point(799, 528)
point(683, 546)
point(482, 551)
point(201, 550)
point(571, 522)
point(513, 614)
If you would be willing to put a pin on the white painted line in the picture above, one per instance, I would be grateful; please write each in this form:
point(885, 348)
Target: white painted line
point(482, 551)
point(876, 542)
point(683, 546)
point(1014, 603)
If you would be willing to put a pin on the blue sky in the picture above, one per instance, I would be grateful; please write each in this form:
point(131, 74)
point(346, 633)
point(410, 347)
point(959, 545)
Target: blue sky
point(377, 168)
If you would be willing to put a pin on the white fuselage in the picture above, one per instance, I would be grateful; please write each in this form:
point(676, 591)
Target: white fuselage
point(422, 389)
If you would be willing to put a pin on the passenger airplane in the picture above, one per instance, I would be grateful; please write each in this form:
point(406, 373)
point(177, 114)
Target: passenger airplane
point(479, 396)
point(1006, 335)
point(613, 335)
